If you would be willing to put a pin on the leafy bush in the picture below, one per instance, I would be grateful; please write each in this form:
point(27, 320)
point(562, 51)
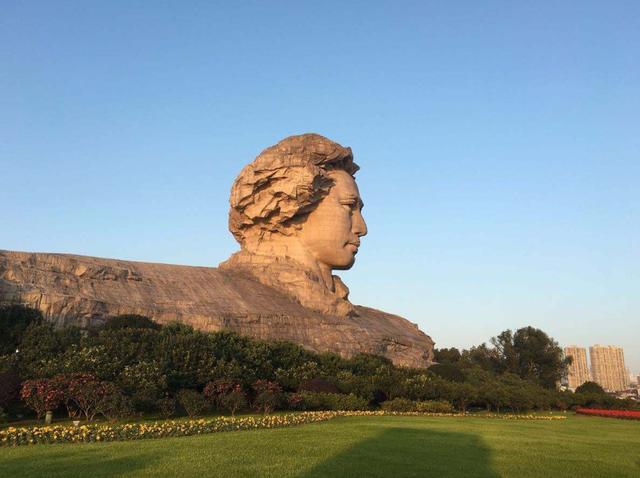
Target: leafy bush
point(338, 401)
point(294, 375)
point(9, 388)
point(14, 321)
point(399, 405)
point(462, 394)
point(590, 387)
point(318, 385)
point(166, 406)
point(42, 395)
point(226, 395)
point(148, 361)
point(234, 400)
point(326, 401)
point(86, 393)
point(268, 396)
point(95, 360)
point(448, 371)
point(596, 400)
point(114, 405)
point(434, 406)
point(145, 382)
point(451, 355)
point(43, 348)
point(131, 321)
point(193, 402)
point(428, 406)
point(214, 390)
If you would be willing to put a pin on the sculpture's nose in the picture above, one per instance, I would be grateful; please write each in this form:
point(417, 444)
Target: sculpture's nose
point(359, 226)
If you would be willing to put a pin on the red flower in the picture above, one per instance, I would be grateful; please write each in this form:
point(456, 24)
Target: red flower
point(627, 414)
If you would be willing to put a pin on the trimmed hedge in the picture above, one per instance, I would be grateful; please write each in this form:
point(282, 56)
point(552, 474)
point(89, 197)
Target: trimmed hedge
point(326, 401)
point(429, 406)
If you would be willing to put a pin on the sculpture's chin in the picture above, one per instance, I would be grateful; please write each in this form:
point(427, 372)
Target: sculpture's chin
point(345, 266)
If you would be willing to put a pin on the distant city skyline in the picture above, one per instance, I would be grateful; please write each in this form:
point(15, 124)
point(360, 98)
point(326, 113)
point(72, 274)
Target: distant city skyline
point(607, 367)
point(498, 145)
point(578, 372)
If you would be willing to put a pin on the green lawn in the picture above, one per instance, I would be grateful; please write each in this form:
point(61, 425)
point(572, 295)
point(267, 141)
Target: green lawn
point(358, 446)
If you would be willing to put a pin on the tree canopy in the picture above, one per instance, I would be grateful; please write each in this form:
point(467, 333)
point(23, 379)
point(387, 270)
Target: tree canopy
point(590, 387)
point(14, 321)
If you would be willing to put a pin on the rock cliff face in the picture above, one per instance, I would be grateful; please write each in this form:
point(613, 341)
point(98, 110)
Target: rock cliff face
point(86, 291)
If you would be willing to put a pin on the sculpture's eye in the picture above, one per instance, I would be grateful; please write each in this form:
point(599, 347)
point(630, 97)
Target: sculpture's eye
point(350, 204)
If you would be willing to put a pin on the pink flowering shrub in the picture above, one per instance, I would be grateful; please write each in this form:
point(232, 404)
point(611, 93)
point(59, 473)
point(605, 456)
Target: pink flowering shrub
point(42, 395)
point(268, 396)
point(226, 395)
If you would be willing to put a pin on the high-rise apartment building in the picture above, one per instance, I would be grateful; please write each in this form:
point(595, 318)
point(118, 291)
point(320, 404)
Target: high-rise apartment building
point(607, 367)
point(578, 370)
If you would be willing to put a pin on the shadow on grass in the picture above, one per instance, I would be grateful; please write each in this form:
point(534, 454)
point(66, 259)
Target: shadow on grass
point(400, 452)
point(74, 460)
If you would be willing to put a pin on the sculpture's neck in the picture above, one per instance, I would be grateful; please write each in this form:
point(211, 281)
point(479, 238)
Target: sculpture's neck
point(312, 286)
point(290, 248)
point(324, 272)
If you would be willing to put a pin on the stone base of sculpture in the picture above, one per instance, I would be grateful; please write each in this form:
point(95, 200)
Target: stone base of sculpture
point(86, 291)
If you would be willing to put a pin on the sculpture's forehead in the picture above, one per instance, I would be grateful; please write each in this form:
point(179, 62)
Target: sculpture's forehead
point(344, 183)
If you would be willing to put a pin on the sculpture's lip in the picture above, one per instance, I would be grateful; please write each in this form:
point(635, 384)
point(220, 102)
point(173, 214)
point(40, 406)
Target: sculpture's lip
point(355, 246)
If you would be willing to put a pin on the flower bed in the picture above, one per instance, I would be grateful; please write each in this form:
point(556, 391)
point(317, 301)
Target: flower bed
point(94, 432)
point(498, 416)
point(136, 431)
point(626, 414)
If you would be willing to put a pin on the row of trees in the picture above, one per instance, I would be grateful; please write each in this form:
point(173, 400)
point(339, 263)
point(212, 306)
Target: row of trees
point(83, 395)
point(134, 365)
point(528, 353)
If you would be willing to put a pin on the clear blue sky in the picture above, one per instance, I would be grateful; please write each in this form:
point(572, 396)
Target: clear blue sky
point(499, 144)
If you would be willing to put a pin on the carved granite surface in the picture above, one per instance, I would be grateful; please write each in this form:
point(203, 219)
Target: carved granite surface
point(296, 212)
point(85, 290)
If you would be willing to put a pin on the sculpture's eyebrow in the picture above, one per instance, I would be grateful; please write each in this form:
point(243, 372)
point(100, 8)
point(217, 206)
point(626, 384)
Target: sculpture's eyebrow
point(351, 198)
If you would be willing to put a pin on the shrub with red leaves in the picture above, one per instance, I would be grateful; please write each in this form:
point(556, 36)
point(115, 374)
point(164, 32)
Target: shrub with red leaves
point(226, 395)
point(268, 396)
point(318, 385)
point(42, 395)
point(86, 392)
point(626, 414)
point(83, 393)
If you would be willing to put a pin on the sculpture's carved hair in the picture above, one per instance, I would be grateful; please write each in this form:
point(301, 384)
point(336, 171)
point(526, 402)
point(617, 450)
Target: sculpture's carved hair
point(283, 184)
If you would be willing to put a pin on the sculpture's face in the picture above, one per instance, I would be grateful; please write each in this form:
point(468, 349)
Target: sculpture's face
point(333, 229)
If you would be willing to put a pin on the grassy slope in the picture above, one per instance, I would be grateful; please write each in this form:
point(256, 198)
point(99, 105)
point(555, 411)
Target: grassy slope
point(378, 446)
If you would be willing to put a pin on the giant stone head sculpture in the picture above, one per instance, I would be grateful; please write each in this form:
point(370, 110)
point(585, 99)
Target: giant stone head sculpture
point(298, 200)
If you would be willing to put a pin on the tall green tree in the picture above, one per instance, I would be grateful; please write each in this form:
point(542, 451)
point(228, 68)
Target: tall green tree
point(531, 354)
point(590, 387)
point(451, 355)
point(14, 321)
